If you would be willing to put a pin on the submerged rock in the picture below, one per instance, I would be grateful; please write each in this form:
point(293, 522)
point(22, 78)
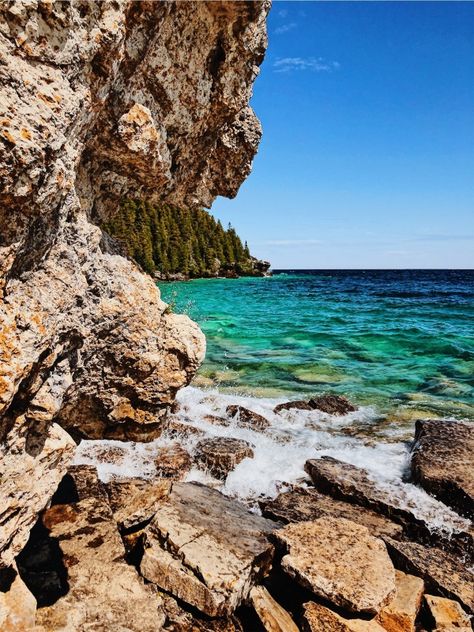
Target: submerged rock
point(247, 418)
point(340, 561)
point(401, 613)
point(104, 591)
point(221, 455)
point(173, 462)
point(301, 504)
point(205, 549)
point(318, 618)
point(274, 618)
point(442, 462)
point(330, 404)
point(442, 572)
point(447, 615)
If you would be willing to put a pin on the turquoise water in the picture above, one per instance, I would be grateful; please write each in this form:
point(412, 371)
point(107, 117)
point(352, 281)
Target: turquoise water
point(401, 341)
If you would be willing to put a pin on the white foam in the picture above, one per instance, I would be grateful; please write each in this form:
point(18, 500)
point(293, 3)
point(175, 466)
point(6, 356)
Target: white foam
point(280, 452)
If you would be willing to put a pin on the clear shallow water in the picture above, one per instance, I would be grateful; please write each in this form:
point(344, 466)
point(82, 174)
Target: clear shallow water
point(398, 344)
point(401, 341)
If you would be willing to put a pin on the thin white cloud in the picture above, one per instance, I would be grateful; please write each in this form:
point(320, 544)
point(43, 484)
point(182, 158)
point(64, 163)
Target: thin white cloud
point(282, 13)
point(284, 28)
point(315, 64)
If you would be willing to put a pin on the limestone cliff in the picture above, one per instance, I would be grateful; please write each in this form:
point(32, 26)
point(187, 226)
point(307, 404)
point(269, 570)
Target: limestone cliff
point(99, 101)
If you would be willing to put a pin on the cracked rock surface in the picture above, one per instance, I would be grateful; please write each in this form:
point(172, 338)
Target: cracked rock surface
point(101, 101)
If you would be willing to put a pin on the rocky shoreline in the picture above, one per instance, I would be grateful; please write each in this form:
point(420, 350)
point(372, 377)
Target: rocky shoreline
point(336, 553)
point(260, 268)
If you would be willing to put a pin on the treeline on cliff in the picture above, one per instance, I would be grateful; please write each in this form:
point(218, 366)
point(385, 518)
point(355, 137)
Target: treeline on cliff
point(169, 240)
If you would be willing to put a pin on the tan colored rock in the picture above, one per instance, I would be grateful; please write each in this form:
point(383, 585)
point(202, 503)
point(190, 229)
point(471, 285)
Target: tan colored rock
point(102, 101)
point(318, 618)
point(221, 455)
point(339, 561)
point(173, 462)
point(447, 615)
point(301, 504)
point(400, 614)
point(104, 591)
point(247, 418)
point(274, 618)
point(30, 475)
point(17, 605)
point(442, 462)
point(178, 429)
point(443, 572)
point(180, 620)
point(135, 501)
point(205, 549)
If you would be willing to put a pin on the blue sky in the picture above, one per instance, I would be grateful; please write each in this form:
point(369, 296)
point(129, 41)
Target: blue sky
point(367, 157)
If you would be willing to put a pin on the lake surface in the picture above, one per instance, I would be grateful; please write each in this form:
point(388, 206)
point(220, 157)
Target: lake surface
point(402, 341)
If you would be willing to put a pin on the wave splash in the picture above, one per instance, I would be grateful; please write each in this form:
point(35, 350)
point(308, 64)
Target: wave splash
point(280, 452)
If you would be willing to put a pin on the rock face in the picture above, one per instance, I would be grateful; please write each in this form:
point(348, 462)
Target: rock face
point(340, 561)
point(443, 462)
point(318, 618)
point(104, 591)
point(346, 482)
point(221, 455)
point(101, 101)
point(447, 615)
point(301, 504)
point(274, 618)
point(206, 549)
point(442, 572)
point(400, 614)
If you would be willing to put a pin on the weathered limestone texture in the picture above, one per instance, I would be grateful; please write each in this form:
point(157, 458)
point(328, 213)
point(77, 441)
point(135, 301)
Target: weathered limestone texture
point(101, 101)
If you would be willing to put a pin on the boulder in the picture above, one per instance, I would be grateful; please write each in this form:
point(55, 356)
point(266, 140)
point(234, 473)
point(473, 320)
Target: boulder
point(442, 462)
point(400, 614)
point(318, 618)
point(353, 484)
point(330, 404)
point(443, 572)
point(178, 619)
point(246, 418)
point(274, 618)
point(17, 604)
point(173, 462)
point(206, 549)
point(29, 476)
point(175, 428)
point(447, 615)
point(135, 501)
point(104, 591)
point(221, 455)
point(301, 504)
point(338, 560)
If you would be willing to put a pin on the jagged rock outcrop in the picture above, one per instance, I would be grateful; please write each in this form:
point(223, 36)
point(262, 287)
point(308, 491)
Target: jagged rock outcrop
point(101, 101)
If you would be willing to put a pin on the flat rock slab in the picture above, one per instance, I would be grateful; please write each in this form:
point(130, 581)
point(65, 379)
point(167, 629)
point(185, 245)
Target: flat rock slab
point(441, 571)
point(206, 549)
point(301, 504)
point(447, 615)
point(400, 614)
point(347, 482)
point(135, 501)
point(221, 455)
point(247, 418)
point(337, 405)
point(318, 618)
point(274, 617)
point(105, 593)
point(442, 462)
point(338, 560)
